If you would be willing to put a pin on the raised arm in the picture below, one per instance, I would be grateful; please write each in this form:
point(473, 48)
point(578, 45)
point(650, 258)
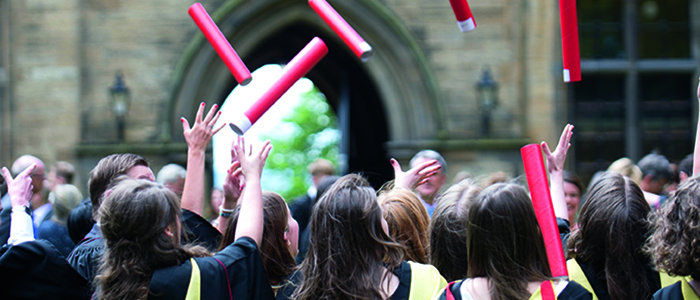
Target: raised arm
point(250, 220)
point(696, 152)
point(416, 176)
point(197, 137)
point(20, 191)
point(555, 167)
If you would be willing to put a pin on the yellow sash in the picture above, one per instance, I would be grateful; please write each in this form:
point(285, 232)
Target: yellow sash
point(193, 290)
point(426, 282)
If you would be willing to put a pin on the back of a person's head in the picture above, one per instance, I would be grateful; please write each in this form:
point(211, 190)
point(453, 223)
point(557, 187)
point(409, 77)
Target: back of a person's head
point(133, 219)
point(504, 242)
point(448, 230)
point(324, 184)
point(276, 258)
point(64, 198)
point(321, 167)
point(348, 246)
point(80, 221)
point(655, 165)
point(430, 154)
point(65, 170)
point(496, 177)
point(613, 227)
point(170, 173)
point(626, 166)
point(108, 169)
point(675, 244)
point(686, 165)
point(408, 222)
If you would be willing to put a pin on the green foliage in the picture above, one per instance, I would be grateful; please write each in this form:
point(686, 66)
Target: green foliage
point(309, 132)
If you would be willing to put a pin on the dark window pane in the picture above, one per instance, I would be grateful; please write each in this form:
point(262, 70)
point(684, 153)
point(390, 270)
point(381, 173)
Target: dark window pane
point(664, 28)
point(600, 29)
point(599, 117)
point(666, 114)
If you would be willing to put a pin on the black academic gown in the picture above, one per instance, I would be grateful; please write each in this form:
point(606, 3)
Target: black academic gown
point(37, 270)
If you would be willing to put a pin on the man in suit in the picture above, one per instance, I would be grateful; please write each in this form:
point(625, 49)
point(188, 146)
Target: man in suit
point(40, 206)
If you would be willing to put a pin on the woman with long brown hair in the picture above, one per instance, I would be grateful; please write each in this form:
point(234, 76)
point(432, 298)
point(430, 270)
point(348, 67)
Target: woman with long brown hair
point(279, 242)
point(607, 251)
point(352, 256)
point(143, 256)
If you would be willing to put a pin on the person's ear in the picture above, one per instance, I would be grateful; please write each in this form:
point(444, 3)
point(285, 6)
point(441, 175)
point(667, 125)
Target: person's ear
point(168, 232)
point(683, 176)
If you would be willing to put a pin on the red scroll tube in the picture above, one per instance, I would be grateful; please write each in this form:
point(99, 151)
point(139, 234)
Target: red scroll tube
point(358, 45)
point(465, 19)
point(569, 40)
point(220, 44)
point(301, 64)
point(542, 202)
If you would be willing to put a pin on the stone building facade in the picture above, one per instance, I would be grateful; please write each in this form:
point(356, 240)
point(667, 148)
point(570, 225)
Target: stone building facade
point(58, 60)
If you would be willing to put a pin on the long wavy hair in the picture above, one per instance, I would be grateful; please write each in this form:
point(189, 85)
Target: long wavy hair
point(613, 227)
point(504, 242)
point(408, 222)
point(675, 244)
point(448, 230)
point(133, 222)
point(348, 247)
point(276, 257)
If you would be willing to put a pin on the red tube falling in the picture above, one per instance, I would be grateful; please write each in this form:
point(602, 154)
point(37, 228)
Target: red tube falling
point(220, 44)
point(301, 64)
point(356, 43)
point(542, 202)
point(465, 19)
point(569, 40)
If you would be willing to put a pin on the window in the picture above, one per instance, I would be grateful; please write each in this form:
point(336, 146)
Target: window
point(638, 82)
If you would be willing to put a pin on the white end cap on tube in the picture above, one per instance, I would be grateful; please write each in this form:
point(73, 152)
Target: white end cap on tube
point(467, 25)
point(240, 124)
point(366, 51)
point(567, 77)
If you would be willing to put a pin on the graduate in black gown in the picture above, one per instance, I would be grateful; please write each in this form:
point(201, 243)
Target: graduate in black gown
point(33, 269)
point(675, 244)
point(143, 256)
point(279, 243)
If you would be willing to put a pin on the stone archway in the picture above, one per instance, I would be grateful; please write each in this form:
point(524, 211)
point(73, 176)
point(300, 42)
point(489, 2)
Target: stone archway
point(393, 97)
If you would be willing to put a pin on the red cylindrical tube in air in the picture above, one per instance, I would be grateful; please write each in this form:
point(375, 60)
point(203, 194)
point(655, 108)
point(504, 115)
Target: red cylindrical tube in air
point(301, 64)
point(465, 19)
point(351, 38)
point(220, 44)
point(569, 40)
point(542, 202)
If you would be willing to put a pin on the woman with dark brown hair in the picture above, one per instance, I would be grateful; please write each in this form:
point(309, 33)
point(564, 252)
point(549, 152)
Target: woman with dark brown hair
point(448, 230)
point(143, 256)
point(279, 240)
point(607, 251)
point(408, 222)
point(505, 250)
point(352, 256)
point(675, 244)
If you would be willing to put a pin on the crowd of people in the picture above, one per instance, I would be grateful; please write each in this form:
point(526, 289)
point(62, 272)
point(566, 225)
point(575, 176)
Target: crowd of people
point(632, 234)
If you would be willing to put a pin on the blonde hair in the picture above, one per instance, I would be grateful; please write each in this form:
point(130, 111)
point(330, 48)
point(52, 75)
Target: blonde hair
point(64, 198)
point(626, 166)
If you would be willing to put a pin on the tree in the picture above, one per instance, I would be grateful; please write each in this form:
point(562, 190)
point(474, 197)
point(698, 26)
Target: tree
point(309, 132)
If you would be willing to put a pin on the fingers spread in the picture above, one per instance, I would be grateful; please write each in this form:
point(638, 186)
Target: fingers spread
point(210, 114)
point(547, 152)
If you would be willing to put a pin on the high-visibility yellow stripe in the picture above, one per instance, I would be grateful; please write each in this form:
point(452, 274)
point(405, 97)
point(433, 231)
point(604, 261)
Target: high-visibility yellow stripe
point(426, 282)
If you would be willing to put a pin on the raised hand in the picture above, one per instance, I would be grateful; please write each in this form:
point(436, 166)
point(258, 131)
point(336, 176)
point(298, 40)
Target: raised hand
point(556, 159)
point(19, 188)
point(415, 176)
point(555, 167)
point(253, 159)
point(199, 135)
